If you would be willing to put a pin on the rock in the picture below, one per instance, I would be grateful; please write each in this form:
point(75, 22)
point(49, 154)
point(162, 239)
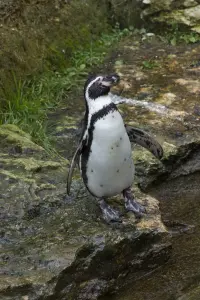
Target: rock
point(15, 141)
point(190, 3)
point(170, 11)
point(170, 109)
point(57, 247)
point(167, 99)
point(189, 16)
point(191, 85)
point(177, 162)
point(156, 6)
point(170, 112)
point(192, 295)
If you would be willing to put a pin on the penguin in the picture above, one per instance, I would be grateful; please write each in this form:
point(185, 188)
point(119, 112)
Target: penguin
point(104, 152)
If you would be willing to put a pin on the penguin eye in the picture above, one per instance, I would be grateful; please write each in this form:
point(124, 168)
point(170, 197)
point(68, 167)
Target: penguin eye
point(99, 80)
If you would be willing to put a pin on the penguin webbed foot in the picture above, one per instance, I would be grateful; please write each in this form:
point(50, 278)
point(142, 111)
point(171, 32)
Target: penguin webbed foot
point(109, 214)
point(132, 205)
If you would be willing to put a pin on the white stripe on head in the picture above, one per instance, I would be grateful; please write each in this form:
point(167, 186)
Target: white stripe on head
point(88, 87)
point(94, 105)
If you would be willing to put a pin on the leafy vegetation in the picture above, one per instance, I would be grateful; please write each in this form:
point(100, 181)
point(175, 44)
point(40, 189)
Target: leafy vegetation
point(27, 103)
point(176, 35)
point(150, 64)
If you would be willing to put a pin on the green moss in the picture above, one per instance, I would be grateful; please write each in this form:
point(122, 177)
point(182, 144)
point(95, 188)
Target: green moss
point(11, 135)
point(176, 16)
point(169, 149)
point(31, 164)
point(196, 28)
point(21, 166)
point(48, 186)
point(18, 177)
point(13, 129)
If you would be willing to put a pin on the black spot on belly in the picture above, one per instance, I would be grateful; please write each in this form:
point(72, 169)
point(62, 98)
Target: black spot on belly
point(125, 159)
point(111, 148)
point(92, 171)
point(117, 171)
point(120, 138)
point(101, 185)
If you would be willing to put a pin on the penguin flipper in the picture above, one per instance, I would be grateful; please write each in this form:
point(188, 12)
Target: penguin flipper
point(143, 139)
point(72, 166)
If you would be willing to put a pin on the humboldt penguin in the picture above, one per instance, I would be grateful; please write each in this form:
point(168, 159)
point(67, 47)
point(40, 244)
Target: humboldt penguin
point(104, 152)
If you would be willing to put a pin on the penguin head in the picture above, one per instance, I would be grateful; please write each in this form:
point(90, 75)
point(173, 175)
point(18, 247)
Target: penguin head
point(97, 86)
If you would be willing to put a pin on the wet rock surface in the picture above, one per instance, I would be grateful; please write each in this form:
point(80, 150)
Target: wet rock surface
point(160, 87)
point(58, 247)
point(162, 100)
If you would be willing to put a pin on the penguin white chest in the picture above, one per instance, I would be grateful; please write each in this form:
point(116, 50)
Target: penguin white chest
point(110, 167)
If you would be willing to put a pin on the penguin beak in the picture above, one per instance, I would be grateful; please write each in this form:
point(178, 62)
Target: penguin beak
point(110, 80)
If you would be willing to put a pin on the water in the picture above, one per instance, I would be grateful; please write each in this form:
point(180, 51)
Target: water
point(155, 107)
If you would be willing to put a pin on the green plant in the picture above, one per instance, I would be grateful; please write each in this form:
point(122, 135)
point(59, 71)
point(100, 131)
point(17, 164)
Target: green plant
point(176, 35)
point(149, 64)
point(27, 103)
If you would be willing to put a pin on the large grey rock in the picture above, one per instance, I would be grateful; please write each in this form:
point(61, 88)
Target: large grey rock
point(54, 247)
point(184, 12)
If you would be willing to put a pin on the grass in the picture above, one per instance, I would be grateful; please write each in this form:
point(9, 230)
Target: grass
point(26, 103)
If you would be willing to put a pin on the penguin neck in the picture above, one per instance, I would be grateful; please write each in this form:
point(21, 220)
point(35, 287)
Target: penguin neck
point(93, 107)
point(97, 104)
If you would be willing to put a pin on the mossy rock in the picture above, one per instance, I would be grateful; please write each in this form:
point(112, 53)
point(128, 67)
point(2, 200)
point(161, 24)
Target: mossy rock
point(14, 140)
point(59, 246)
